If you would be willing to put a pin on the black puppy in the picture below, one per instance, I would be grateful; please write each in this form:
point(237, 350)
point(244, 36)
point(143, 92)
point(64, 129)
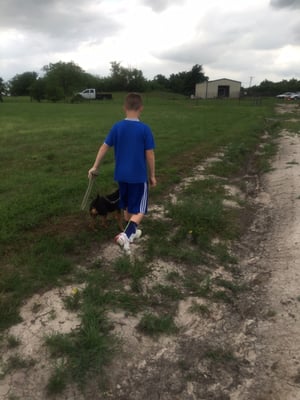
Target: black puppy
point(104, 205)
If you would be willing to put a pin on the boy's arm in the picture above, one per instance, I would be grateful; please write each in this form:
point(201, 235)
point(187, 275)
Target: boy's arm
point(150, 157)
point(101, 153)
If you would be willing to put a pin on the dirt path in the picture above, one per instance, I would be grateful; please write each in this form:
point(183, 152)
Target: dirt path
point(278, 330)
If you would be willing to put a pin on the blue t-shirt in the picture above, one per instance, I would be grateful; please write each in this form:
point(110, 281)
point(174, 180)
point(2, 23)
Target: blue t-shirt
point(130, 139)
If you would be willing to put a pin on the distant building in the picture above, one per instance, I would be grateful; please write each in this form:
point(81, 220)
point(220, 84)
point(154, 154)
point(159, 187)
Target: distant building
point(219, 88)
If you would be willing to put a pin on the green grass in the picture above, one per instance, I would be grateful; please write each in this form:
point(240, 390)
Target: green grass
point(220, 355)
point(82, 352)
point(16, 362)
point(154, 325)
point(45, 152)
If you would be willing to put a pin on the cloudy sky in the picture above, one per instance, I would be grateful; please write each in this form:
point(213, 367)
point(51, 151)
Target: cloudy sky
point(245, 40)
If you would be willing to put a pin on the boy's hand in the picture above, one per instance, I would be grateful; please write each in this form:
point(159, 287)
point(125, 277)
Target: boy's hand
point(152, 181)
point(93, 172)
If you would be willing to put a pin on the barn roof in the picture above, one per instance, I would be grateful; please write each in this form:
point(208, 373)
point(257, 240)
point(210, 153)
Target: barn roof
point(224, 79)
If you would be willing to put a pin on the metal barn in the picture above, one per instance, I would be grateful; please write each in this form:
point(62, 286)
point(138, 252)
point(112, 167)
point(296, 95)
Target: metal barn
point(219, 88)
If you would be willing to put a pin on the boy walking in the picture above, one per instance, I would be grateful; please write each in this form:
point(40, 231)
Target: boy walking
point(133, 144)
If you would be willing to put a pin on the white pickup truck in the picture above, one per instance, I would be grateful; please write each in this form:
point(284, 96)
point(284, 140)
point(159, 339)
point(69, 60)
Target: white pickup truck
point(92, 94)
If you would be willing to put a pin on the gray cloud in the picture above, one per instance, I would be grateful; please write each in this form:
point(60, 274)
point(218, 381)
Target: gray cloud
point(226, 40)
point(71, 20)
point(235, 43)
point(160, 5)
point(285, 3)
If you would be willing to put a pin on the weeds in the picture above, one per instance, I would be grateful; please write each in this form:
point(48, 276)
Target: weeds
point(153, 325)
point(72, 302)
point(220, 355)
point(15, 362)
point(83, 352)
point(200, 309)
point(235, 288)
point(58, 381)
point(170, 292)
point(13, 341)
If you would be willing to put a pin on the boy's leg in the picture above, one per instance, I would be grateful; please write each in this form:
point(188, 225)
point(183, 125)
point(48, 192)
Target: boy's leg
point(134, 200)
point(131, 229)
point(122, 239)
point(137, 208)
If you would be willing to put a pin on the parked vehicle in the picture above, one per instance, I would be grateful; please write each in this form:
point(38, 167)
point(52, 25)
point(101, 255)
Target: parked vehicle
point(289, 96)
point(92, 94)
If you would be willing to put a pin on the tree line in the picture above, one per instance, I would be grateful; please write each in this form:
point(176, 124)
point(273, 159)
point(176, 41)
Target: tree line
point(62, 80)
point(269, 88)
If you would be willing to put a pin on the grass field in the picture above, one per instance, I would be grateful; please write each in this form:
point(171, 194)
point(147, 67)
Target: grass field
point(45, 152)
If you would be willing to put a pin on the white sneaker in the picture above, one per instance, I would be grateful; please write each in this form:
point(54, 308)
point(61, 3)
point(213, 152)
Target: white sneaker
point(122, 240)
point(136, 235)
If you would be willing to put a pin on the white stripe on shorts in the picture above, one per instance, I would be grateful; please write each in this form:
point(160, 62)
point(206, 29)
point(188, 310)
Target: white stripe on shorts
point(143, 204)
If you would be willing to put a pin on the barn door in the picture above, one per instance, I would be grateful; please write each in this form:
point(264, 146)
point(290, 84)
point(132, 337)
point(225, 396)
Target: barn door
point(223, 91)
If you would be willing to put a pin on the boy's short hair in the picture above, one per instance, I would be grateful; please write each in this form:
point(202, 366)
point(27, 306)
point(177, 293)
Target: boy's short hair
point(133, 101)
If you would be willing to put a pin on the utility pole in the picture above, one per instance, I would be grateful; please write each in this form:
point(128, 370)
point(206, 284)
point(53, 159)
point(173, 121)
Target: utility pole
point(250, 81)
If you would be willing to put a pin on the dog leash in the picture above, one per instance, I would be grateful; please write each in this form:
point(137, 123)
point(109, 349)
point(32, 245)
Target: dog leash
point(88, 191)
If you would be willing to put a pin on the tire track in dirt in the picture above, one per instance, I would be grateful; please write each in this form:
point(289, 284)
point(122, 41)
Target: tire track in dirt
point(277, 373)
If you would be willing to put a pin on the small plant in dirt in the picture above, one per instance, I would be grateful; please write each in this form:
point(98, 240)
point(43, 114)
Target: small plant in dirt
point(201, 309)
point(72, 302)
point(271, 313)
point(154, 325)
point(219, 354)
point(173, 276)
point(222, 295)
point(234, 287)
point(84, 351)
point(36, 308)
point(13, 397)
point(132, 269)
point(198, 285)
point(13, 341)
point(294, 162)
point(105, 290)
point(57, 382)
point(223, 255)
point(168, 292)
point(15, 362)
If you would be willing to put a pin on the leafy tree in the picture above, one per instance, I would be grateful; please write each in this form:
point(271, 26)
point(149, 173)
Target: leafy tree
point(160, 82)
point(127, 79)
point(136, 81)
point(176, 82)
point(2, 88)
point(69, 77)
point(269, 88)
point(118, 76)
point(20, 84)
point(54, 92)
point(185, 82)
point(38, 89)
point(196, 75)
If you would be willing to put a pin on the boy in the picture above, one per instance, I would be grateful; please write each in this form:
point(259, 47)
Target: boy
point(133, 145)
